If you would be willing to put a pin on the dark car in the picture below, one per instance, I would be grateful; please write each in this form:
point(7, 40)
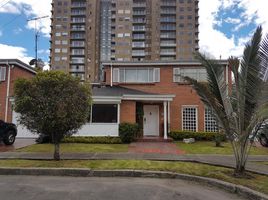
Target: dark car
point(8, 132)
point(263, 135)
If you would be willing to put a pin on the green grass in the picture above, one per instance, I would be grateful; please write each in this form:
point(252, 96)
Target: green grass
point(76, 148)
point(257, 182)
point(201, 147)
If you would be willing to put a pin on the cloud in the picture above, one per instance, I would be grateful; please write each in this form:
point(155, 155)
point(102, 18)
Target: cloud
point(232, 20)
point(32, 9)
point(215, 42)
point(14, 52)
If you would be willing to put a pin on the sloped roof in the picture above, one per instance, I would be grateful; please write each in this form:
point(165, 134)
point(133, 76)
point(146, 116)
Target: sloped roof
point(18, 63)
point(116, 91)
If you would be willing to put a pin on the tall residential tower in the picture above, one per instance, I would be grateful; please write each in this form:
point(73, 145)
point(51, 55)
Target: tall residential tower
point(86, 32)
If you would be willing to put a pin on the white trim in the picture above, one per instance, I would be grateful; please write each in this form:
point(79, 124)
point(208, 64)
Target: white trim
point(106, 99)
point(223, 62)
point(118, 113)
point(149, 97)
point(17, 63)
point(165, 119)
point(168, 116)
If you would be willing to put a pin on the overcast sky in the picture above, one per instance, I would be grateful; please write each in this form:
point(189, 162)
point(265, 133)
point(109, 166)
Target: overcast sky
point(225, 26)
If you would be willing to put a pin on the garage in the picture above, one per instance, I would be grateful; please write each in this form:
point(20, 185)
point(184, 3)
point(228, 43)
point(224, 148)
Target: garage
point(23, 132)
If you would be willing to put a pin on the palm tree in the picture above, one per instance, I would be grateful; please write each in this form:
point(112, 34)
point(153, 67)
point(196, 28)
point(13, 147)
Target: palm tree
point(242, 108)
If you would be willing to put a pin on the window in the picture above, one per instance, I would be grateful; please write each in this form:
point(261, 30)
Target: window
point(199, 74)
point(210, 121)
point(104, 113)
point(57, 50)
point(2, 73)
point(136, 75)
point(189, 118)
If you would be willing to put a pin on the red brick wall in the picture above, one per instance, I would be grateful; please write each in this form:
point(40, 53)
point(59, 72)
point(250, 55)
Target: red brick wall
point(128, 111)
point(185, 95)
point(15, 73)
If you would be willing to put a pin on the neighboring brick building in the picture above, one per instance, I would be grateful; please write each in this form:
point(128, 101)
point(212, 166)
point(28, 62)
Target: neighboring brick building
point(10, 70)
point(155, 89)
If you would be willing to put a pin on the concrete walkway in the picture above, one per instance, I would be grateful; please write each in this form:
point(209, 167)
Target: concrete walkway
point(218, 160)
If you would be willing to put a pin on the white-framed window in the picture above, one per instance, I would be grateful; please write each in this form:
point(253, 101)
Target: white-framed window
point(210, 121)
point(200, 74)
point(2, 73)
point(57, 50)
point(136, 75)
point(189, 118)
point(104, 113)
point(57, 58)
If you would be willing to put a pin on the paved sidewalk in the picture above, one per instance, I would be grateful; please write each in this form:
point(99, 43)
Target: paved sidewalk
point(218, 160)
point(19, 143)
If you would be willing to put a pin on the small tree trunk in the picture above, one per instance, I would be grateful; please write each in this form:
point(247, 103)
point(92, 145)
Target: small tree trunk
point(56, 151)
point(239, 171)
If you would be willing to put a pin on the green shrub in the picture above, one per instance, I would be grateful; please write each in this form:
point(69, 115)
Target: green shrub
point(92, 140)
point(199, 136)
point(128, 132)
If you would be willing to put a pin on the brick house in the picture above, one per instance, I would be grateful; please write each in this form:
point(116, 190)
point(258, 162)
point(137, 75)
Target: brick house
point(152, 94)
point(10, 70)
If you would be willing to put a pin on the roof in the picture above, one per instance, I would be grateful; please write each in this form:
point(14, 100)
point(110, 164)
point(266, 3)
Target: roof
point(18, 63)
point(116, 91)
point(157, 63)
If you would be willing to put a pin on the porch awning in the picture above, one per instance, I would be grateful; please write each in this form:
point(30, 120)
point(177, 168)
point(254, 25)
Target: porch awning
point(118, 93)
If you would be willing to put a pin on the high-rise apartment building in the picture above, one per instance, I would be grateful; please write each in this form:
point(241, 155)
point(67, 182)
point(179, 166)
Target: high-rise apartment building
point(87, 32)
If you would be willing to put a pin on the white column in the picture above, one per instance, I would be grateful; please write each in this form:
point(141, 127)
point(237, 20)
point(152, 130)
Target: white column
point(165, 120)
point(118, 113)
point(168, 116)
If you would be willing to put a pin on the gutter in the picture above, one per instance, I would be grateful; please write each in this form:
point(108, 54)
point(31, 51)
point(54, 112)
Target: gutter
point(8, 89)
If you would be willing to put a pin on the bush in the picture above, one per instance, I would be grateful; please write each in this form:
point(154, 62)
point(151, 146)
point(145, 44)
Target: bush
point(128, 132)
point(93, 140)
point(199, 136)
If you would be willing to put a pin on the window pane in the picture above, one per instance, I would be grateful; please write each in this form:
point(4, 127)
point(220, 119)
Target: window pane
point(142, 75)
point(131, 75)
point(104, 113)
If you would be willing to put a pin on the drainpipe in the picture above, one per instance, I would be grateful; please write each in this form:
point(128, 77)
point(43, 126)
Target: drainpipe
point(111, 81)
point(7, 94)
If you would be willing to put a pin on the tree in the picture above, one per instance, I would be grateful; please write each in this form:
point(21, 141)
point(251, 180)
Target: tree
point(241, 110)
point(52, 103)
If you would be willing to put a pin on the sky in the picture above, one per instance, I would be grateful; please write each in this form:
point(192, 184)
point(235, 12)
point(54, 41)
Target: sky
point(225, 27)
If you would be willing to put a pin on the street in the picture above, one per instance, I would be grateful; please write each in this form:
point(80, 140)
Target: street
point(72, 188)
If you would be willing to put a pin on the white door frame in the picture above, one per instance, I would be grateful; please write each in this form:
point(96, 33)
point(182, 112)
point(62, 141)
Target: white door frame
point(146, 132)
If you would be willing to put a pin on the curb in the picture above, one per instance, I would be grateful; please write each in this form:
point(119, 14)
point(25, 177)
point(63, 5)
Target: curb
point(236, 189)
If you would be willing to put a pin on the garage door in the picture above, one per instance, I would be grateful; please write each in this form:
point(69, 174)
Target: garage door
point(23, 132)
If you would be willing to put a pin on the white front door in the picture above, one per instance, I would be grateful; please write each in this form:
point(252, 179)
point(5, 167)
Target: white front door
point(151, 120)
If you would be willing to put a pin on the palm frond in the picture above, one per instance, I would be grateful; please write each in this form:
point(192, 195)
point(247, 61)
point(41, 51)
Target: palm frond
point(249, 82)
point(209, 99)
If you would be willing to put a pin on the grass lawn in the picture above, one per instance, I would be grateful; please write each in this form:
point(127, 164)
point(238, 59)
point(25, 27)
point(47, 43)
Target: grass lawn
point(201, 147)
point(76, 148)
point(258, 182)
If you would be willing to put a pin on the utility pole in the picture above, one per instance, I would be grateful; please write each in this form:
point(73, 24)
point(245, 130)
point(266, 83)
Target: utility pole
point(36, 35)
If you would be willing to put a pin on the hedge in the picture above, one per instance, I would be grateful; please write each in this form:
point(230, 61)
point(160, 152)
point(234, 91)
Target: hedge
point(199, 136)
point(91, 140)
point(128, 132)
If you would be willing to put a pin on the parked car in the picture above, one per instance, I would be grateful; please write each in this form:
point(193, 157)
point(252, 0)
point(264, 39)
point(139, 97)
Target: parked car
point(263, 135)
point(8, 132)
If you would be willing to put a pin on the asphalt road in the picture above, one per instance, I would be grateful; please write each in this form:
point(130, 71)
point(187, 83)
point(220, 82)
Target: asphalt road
point(71, 188)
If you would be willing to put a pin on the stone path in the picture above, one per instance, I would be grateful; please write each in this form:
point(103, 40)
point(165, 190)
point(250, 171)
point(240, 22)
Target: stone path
point(155, 147)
